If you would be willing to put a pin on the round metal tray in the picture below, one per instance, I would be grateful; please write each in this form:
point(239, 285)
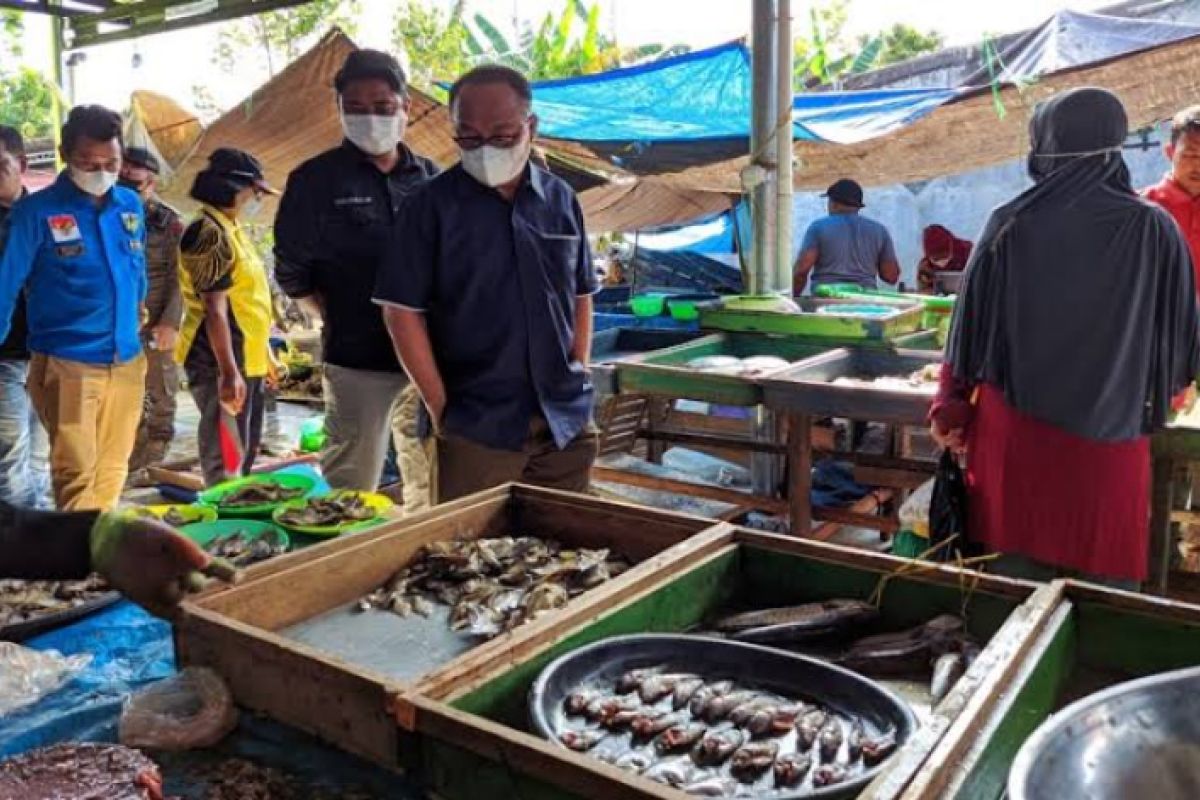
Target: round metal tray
point(1139, 739)
point(752, 666)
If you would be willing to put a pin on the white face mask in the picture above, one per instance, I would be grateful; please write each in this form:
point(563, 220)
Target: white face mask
point(372, 133)
point(251, 208)
point(95, 183)
point(495, 166)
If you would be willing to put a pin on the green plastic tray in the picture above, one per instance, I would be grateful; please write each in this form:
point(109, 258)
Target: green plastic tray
point(380, 504)
point(204, 533)
point(812, 325)
point(212, 497)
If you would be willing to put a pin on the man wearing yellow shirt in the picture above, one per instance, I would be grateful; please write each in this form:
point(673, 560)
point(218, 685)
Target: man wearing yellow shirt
point(224, 343)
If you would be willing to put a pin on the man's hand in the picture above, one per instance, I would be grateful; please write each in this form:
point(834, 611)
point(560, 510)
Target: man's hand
point(150, 563)
point(231, 390)
point(164, 337)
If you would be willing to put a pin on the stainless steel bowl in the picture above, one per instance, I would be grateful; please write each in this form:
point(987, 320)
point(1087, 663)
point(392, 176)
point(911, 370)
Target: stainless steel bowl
point(1137, 740)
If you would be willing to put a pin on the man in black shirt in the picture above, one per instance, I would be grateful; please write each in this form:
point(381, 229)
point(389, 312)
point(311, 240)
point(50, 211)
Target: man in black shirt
point(333, 224)
point(24, 448)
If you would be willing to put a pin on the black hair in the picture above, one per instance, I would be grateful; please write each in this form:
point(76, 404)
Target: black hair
point(1185, 122)
point(12, 141)
point(92, 122)
point(494, 73)
point(218, 191)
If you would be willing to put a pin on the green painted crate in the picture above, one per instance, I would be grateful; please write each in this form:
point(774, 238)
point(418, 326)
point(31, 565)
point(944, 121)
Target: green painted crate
point(665, 372)
point(1095, 639)
point(810, 324)
point(474, 740)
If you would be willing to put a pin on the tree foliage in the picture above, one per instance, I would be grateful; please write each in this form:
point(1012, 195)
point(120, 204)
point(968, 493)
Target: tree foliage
point(825, 54)
point(436, 42)
point(26, 95)
point(902, 42)
point(275, 38)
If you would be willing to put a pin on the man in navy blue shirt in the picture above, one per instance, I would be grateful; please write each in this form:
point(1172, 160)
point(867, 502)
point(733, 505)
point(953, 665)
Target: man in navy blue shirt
point(487, 296)
point(77, 248)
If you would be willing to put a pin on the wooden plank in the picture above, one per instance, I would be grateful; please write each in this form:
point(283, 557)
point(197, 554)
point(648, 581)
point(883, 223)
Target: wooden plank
point(341, 704)
point(973, 699)
point(1131, 602)
point(511, 648)
point(707, 440)
point(856, 518)
point(799, 465)
point(717, 493)
point(861, 507)
point(572, 772)
point(893, 478)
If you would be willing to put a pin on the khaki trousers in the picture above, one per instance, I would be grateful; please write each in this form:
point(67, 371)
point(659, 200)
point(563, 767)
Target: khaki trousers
point(91, 413)
point(463, 467)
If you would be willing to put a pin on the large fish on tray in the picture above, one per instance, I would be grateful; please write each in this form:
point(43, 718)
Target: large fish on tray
point(829, 618)
point(906, 652)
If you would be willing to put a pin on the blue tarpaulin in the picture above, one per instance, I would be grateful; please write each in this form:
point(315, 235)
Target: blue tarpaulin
point(849, 117)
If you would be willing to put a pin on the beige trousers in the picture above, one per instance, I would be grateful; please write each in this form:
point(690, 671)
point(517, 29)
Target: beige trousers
point(91, 413)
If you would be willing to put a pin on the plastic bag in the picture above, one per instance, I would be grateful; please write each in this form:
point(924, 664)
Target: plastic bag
point(28, 675)
point(914, 514)
point(191, 710)
point(948, 509)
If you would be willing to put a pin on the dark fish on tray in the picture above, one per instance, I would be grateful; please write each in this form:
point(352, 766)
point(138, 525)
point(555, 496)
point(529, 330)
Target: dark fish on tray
point(707, 692)
point(719, 707)
point(854, 740)
point(742, 715)
point(684, 690)
point(948, 668)
point(679, 737)
point(675, 772)
point(773, 720)
point(809, 726)
point(635, 761)
point(577, 702)
point(877, 749)
point(256, 494)
point(712, 786)
point(652, 723)
point(656, 687)
point(753, 760)
point(622, 719)
point(632, 680)
point(581, 741)
point(799, 623)
point(906, 652)
point(829, 740)
point(326, 511)
point(790, 769)
point(829, 774)
point(717, 746)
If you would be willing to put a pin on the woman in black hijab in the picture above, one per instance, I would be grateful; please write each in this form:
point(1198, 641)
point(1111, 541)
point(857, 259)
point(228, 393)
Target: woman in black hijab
point(1076, 327)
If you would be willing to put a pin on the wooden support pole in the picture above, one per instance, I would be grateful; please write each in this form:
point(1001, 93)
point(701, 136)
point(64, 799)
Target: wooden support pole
point(799, 453)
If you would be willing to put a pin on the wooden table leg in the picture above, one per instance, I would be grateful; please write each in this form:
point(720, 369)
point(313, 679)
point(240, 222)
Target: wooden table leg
point(1161, 500)
point(654, 416)
point(799, 467)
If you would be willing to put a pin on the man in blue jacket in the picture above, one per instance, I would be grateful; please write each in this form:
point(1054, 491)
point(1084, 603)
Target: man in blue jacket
point(77, 248)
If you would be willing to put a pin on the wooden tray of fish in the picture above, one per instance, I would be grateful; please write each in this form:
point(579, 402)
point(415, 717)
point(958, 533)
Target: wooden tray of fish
point(1096, 638)
point(858, 383)
point(28, 608)
point(328, 638)
point(477, 739)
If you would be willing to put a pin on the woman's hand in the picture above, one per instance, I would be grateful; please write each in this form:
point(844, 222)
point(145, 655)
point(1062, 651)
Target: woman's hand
point(952, 439)
point(231, 389)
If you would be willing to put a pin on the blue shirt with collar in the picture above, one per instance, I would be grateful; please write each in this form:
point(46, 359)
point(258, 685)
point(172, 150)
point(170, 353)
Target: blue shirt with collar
point(497, 282)
point(83, 268)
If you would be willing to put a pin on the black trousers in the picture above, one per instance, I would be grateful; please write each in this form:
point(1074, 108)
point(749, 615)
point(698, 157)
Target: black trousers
point(202, 383)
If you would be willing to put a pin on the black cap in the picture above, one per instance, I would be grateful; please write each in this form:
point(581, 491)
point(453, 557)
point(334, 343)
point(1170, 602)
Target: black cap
point(846, 192)
point(240, 166)
point(371, 64)
point(141, 157)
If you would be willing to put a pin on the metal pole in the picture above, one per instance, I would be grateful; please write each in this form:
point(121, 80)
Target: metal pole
point(783, 146)
point(56, 47)
point(761, 174)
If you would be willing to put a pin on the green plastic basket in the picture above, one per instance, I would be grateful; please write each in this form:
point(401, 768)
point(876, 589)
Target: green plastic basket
point(647, 305)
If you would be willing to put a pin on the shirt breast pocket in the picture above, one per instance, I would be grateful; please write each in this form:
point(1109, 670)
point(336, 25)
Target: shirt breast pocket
point(559, 253)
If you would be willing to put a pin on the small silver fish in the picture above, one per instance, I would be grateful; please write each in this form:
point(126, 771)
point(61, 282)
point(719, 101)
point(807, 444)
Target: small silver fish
point(679, 737)
point(635, 761)
point(790, 769)
point(653, 723)
point(577, 702)
point(675, 772)
point(714, 786)
point(717, 746)
point(876, 750)
point(581, 741)
point(656, 687)
point(830, 739)
point(809, 726)
point(753, 760)
point(631, 680)
point(948, 668)
point(829, 774)
point(705, 693)
point(684, 690)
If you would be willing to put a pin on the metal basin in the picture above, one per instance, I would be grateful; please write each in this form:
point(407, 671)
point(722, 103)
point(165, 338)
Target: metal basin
point(789, 674)
point(1137, 740)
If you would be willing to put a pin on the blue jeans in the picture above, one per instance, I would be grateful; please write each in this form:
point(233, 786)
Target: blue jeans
point(24, 448)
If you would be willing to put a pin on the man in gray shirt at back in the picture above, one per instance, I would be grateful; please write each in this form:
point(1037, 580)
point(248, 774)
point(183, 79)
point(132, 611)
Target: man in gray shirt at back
point(845, 247)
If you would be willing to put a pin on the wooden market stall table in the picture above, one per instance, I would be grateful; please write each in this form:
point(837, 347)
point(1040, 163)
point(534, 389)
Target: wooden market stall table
point(1174, 450)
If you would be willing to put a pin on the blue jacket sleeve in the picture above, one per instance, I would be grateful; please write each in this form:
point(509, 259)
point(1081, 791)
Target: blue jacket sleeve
point(19, 242)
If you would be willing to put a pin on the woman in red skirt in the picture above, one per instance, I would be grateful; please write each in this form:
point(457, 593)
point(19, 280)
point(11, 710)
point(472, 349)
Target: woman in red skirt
point(1076, 327)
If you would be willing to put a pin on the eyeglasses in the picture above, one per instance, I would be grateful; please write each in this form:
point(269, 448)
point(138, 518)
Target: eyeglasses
point(502, 141)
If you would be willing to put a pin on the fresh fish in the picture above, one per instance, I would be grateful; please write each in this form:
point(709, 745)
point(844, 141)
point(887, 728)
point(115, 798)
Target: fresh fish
point(829, 774)
point(606, 706)
point(721, 706)
point(948, 668)
point(854, 740)
point(679, 737)
point(902, 653)
point(631, 680)
point(674, 772)
point(785, 718)
point(581, 741)
point(741, 715)
point(707, 692)
point(577, 702)
point(656, 687)
point(654, 722)
point(790, 769)
point(717, 746)
point(753, 760)
point(421, 605)
point(759, 724)
point(799, 623)
point(876, 750)
point(829, 741)
point(684, 690)
point(809, 727)
point(622, 719)
point(635, 761)
point(714, 786)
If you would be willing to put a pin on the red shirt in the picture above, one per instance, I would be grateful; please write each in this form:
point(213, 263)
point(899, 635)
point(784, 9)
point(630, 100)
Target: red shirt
point(1186, 211)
